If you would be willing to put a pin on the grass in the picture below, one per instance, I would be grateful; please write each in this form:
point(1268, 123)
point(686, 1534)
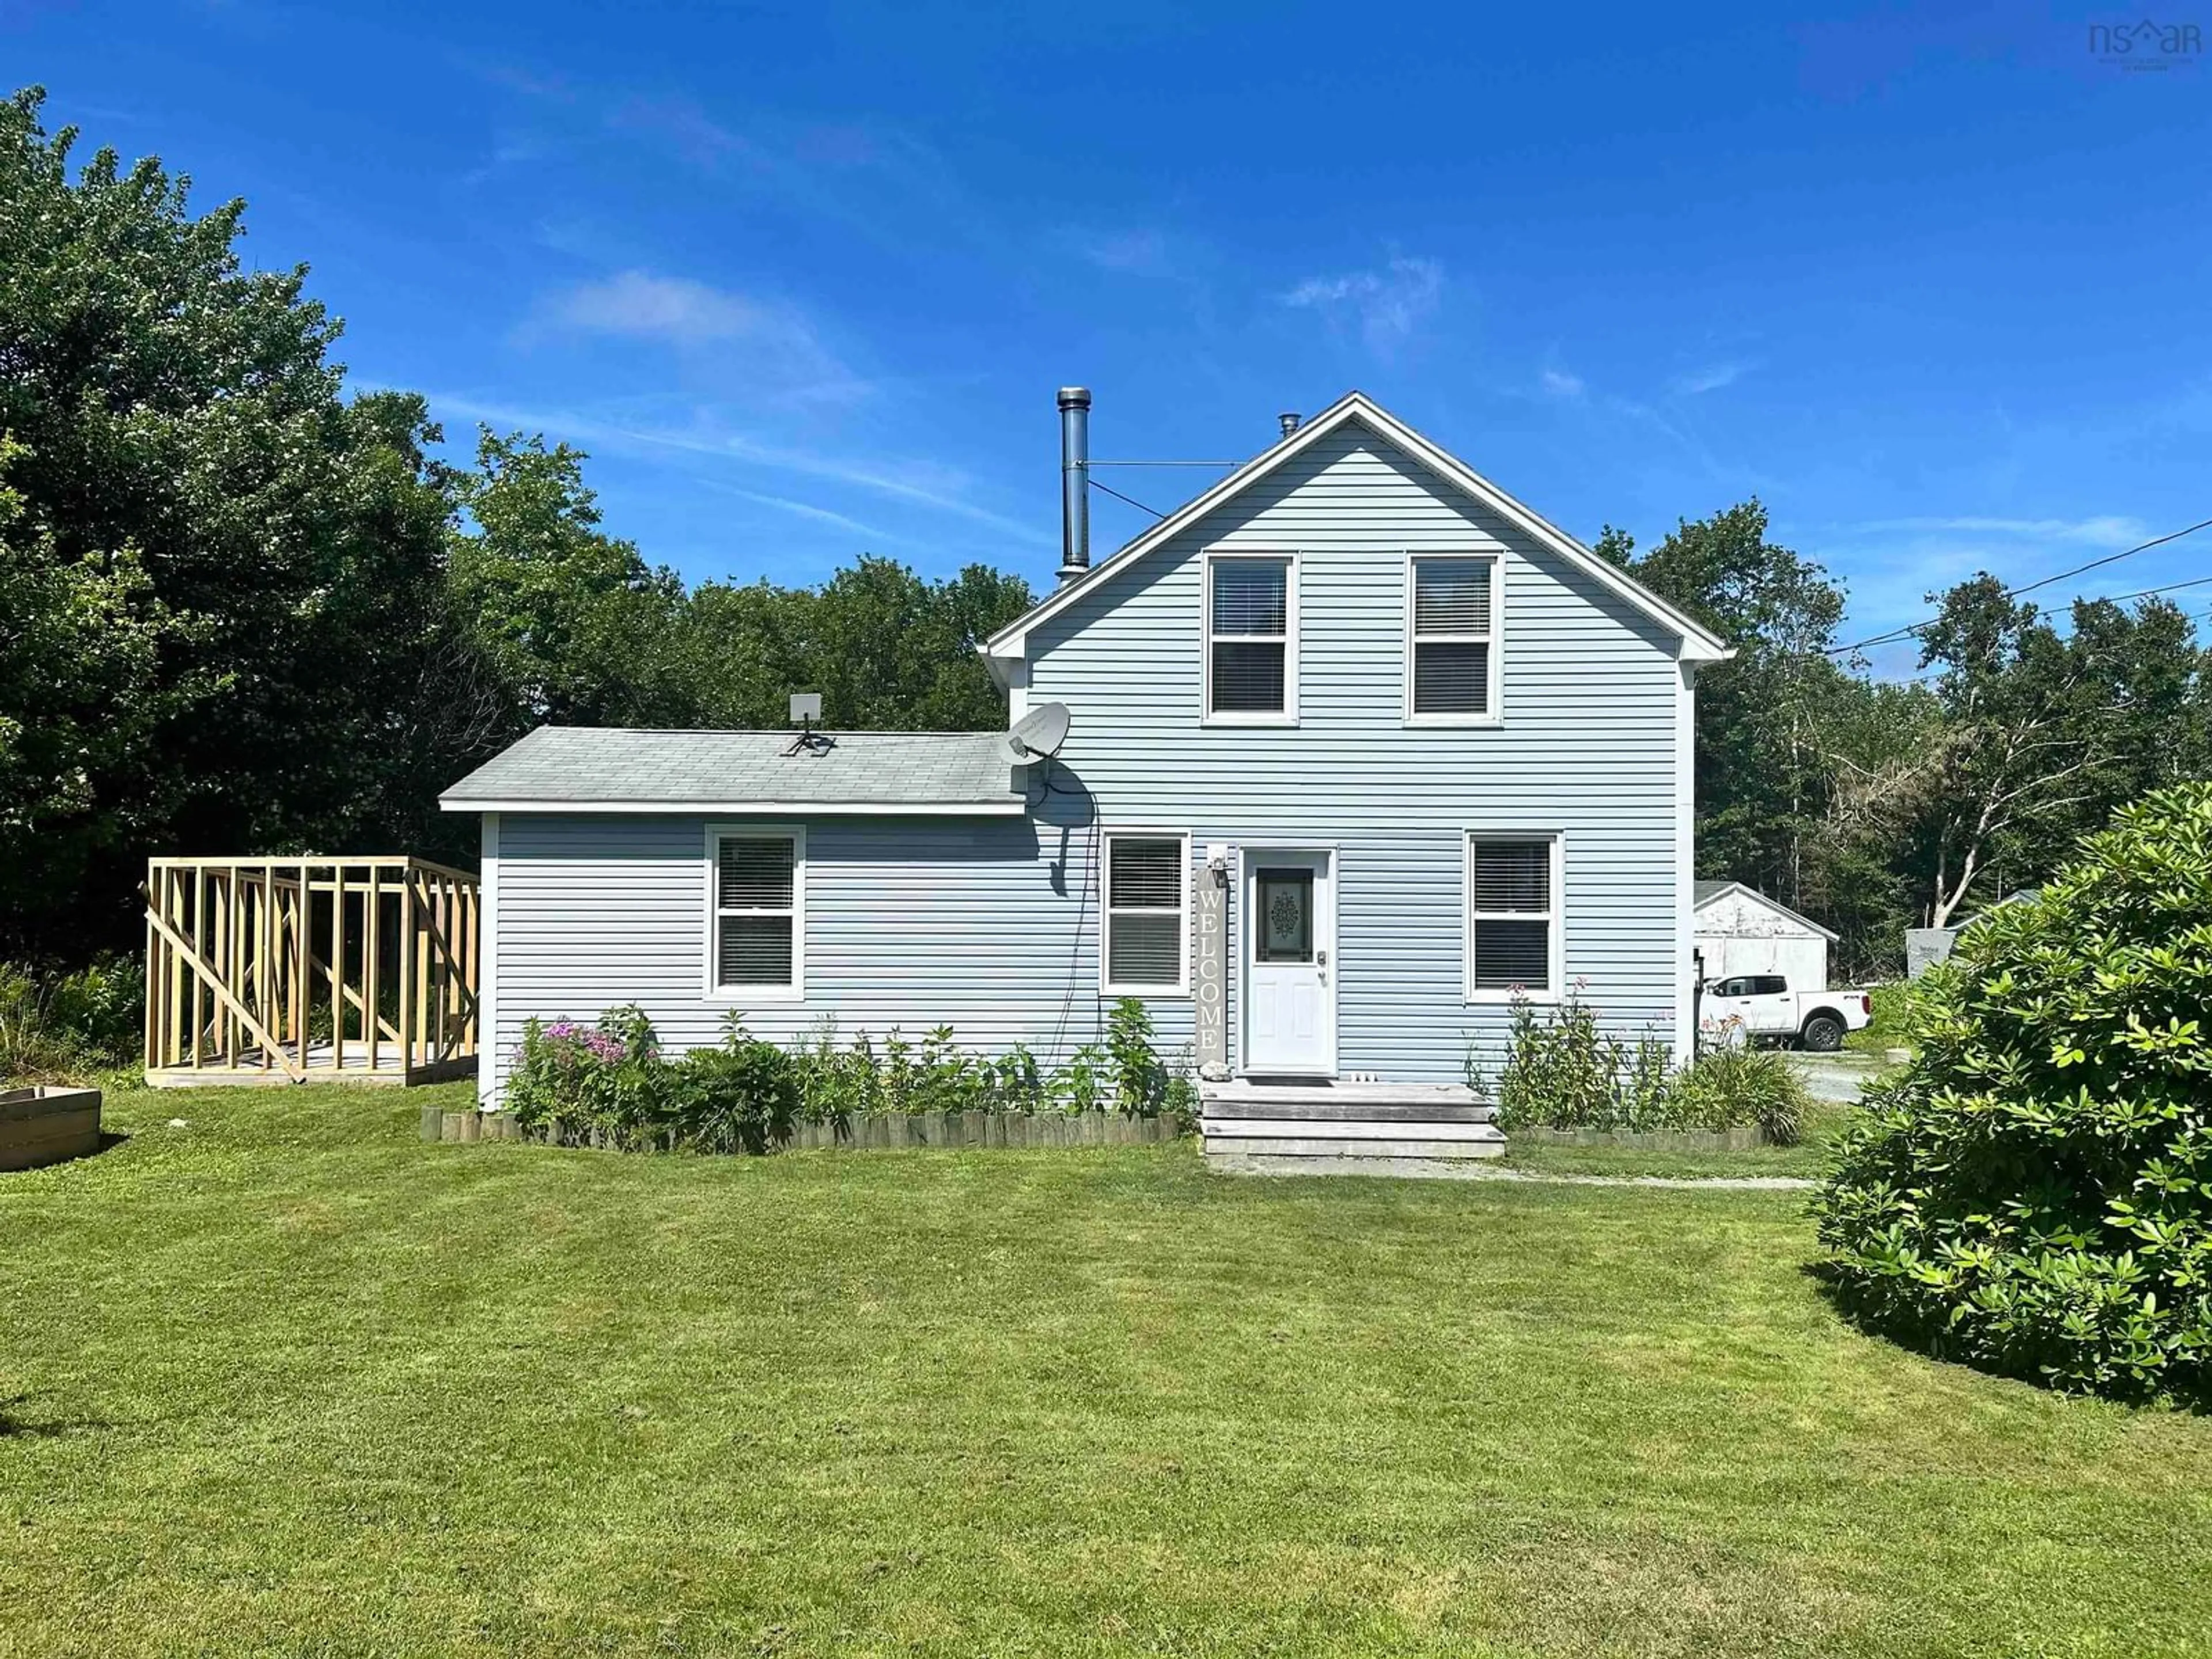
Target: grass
point(289, 1380)
point(1808, 1159)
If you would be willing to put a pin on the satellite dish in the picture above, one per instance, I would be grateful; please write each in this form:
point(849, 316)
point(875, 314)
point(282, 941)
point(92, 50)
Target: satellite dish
point(1037, 735)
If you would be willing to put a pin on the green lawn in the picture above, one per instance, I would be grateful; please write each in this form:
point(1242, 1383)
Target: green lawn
point(289, 1380)
point(1808, 1159)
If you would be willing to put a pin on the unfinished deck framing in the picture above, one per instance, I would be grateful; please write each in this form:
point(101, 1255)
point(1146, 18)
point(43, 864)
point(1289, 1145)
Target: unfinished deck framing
point(309, 971)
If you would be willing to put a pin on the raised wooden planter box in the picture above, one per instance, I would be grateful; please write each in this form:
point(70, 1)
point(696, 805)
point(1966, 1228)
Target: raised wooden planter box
point(46, 1126)
point(1645, 1140)
point(883, 1130)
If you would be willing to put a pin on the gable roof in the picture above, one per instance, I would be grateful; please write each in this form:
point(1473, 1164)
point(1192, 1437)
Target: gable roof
point(1699, 643)
point(575, 769)
point(1706, 892)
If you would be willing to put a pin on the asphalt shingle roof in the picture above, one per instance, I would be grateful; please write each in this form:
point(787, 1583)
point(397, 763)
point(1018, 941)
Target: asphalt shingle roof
point(571, 765)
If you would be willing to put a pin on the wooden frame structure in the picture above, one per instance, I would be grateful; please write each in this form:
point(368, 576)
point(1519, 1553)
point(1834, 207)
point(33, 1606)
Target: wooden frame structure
point(309, 971)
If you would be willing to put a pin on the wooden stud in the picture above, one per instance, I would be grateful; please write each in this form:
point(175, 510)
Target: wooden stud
point(337, 970)
point(406, 971)
point(371, 909)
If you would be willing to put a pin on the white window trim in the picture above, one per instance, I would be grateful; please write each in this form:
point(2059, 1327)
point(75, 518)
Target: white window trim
point(744, 995)
point(1106, 909)
point(1556, 917)
point(1289, 714)
point(1495, 695)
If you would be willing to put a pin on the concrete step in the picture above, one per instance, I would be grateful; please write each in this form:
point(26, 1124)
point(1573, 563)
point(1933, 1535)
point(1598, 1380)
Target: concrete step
point(1345, 1111)
point(1231, 1153)
point(1240, 1128)
point(1322, 1091)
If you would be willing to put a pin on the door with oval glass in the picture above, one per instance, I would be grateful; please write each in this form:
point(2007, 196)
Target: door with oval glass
point(1290, 980)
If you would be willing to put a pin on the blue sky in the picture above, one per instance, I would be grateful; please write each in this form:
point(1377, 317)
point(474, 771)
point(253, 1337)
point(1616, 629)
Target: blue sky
point(1931, 281)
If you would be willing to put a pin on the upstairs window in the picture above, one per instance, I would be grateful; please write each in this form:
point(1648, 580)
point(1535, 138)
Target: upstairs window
point(759, 921)
point(1512, 916)
point(1451, 651)
point(1251, 639)
point(1147, 917)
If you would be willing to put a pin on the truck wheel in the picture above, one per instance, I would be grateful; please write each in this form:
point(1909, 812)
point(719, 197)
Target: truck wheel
point(1823, 1034)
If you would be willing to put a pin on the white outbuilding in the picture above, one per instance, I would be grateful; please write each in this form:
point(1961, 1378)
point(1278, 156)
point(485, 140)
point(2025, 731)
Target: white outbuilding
point(1741, 931)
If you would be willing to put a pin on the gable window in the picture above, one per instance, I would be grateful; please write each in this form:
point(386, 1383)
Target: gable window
point(1450, 639)
point(758, 937)
point(1512, 916)
point(1146, 950)
point(1251, 639)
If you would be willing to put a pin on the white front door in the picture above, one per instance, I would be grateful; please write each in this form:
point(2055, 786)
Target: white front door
point(1289, 988)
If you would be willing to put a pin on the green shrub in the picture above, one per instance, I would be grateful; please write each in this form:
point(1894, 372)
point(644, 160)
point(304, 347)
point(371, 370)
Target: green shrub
point(1140, 1080)
point(70, 1024)
point(740, 1098)
point(1886, 1022)
point(1736, 1086)
point(1562, 1071)
point(31, 1049)
point(569, 1080)
point(2033, 1194)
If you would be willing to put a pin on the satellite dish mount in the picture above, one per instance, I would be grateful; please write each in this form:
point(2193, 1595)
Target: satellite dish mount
point(1037, 736)
point(805, 709)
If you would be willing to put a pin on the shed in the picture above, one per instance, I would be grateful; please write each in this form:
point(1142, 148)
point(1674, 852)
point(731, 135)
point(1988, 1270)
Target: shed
point(1741, 931)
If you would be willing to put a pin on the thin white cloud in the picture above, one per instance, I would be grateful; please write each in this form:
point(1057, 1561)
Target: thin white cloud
point(924, 484)
point(774, 347)
point(1140, 252)
point(1389, 304)
point(701, 140)
point(1561, 383)
point(2108, 531)
point(675, 309)
point(807, 510)
point(1711, 378)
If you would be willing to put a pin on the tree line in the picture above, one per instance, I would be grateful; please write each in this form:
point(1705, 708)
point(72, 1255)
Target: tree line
point(241, 609)
point(1872, 805)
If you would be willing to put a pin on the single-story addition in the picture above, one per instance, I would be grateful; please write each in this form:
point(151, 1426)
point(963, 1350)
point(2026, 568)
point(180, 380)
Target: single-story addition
point(1358, 749)
point(1741, 931)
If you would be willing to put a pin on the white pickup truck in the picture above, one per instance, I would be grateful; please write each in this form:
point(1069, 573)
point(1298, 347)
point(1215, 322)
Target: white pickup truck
point(1763, 1009)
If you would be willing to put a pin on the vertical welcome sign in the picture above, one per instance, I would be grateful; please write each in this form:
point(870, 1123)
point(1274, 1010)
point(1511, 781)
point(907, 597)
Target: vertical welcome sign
point(1210, 970)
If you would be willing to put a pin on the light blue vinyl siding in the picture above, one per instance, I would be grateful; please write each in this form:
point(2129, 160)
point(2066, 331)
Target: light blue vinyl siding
point(992, 926)
point(1585, 747)
point(910, 923)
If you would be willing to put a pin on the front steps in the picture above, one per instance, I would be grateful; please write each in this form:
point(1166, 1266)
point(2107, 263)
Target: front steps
point(1332, 1127)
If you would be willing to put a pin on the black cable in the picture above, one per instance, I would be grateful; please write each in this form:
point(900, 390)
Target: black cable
point(2030, 588)
point(1132, 499)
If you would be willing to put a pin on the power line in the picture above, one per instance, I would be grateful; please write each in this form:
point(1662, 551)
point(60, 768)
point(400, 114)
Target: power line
point(2030, 588)
point(1132, 499)
point(2195, 581)
point(1940, 670)
point(1165, 462)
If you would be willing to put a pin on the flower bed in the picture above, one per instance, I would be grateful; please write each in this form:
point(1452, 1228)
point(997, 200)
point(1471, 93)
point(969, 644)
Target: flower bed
point(1563, 1072)
point(609, 1084)
point(949, 1130)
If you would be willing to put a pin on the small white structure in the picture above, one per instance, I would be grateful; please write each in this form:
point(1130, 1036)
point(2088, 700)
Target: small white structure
point(1741, 931)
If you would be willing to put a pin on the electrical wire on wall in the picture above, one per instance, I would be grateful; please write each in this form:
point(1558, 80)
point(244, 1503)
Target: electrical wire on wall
point(1082, 907)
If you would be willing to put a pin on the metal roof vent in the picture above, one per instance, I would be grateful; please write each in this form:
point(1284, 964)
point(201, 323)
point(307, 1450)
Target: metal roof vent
point(1290, 420)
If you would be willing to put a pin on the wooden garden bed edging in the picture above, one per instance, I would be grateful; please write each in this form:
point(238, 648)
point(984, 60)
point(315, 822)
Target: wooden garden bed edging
point(1645, 1140)
point(46, 1125)
point(950, 1130)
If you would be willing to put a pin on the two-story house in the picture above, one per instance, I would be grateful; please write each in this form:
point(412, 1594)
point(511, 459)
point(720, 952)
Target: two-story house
point(1358, 749)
